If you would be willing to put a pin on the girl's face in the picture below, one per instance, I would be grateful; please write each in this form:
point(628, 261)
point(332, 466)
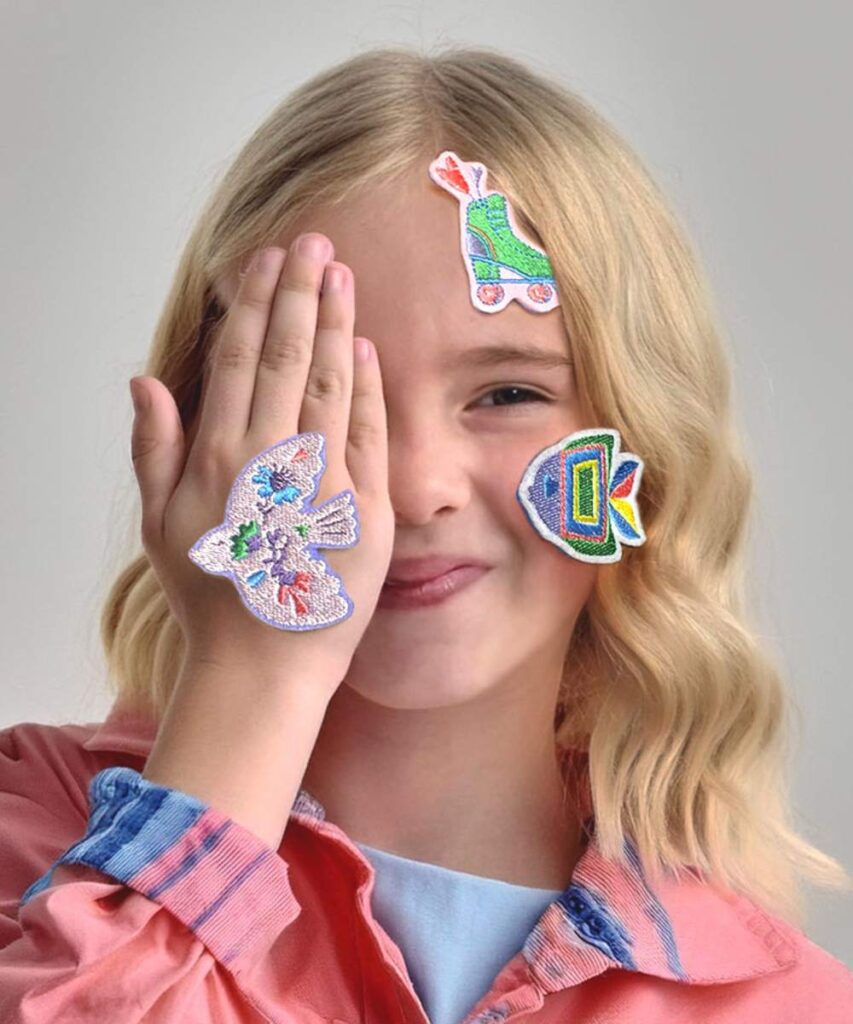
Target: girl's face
point(466, 413)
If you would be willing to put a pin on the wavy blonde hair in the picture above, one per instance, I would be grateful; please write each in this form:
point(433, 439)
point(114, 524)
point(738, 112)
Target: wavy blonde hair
point(679, 712)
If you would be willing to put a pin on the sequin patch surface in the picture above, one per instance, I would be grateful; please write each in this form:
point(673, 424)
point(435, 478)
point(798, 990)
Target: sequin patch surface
point(267, 543)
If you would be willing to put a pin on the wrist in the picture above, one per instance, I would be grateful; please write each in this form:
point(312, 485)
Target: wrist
point(252, 670)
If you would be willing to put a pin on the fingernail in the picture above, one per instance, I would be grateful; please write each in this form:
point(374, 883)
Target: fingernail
point(334, 279)
point(139, 396)
point(314, 246)
point(249, 262)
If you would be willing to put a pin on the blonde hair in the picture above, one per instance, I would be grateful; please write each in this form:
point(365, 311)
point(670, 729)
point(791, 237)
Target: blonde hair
point(680, 713)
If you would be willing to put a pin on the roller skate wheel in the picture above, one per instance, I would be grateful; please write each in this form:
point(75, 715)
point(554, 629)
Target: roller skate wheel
point(540, 292)
point(490, 294)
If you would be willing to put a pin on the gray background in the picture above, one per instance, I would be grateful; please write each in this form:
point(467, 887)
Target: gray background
point(117, 115)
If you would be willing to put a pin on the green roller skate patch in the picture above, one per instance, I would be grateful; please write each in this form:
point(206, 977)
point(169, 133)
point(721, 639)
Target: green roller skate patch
point(502, 263)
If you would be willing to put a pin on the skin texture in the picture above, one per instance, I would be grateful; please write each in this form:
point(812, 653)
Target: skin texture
point(438, 745)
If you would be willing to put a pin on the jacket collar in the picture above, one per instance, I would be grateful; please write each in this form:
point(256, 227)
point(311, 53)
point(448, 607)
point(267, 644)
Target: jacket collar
point(682, 928)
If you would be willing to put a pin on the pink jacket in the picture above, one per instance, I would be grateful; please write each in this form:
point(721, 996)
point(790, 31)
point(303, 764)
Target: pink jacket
point(165, 910)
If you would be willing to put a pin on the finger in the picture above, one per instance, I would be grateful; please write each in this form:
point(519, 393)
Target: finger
point(157, 451)
point(328, 390)
point(367, 443)
point(233, 363)
point(287, 351)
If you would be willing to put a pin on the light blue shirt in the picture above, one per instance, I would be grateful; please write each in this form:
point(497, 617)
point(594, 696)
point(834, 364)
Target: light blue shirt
point(456, 931)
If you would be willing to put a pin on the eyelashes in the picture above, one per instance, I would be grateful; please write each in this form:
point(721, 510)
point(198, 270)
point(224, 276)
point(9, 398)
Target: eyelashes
point(534, 396)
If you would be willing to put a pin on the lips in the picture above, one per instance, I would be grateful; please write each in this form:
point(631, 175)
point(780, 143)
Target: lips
point(433, 590)
point(411, 572)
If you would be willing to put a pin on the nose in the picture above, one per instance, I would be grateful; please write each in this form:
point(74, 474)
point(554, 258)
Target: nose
point(427, 475)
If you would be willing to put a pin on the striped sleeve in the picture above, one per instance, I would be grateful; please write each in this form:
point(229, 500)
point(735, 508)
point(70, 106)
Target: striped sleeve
point(217, 877)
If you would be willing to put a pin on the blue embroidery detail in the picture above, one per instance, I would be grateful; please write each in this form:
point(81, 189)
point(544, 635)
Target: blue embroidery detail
point(275, 483)
point(596, 923)
point(622, 525)
point(624, 469)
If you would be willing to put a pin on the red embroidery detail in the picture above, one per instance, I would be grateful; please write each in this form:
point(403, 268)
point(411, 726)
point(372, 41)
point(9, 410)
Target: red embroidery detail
point(624, 489)
point(301, 584)
point(453, 176)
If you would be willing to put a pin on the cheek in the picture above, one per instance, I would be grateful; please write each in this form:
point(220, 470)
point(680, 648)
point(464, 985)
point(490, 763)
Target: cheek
point(546, 573)
point(561, 579)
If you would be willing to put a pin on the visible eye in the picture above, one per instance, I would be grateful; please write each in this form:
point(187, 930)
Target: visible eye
point(514, 390)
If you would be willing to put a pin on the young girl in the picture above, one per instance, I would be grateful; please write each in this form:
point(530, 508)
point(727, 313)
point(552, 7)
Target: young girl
point(505, 784)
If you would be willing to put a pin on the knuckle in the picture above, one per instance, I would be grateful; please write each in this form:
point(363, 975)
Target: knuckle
point(252, 300)
point(361, 392)
point(333, 317)
point(298, 285)
point(325, 383)
point(234, 354)
point(363, 434)
point(141, 446)
point(288, 348)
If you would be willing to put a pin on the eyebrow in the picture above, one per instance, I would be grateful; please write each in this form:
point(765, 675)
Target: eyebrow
point(501, 354)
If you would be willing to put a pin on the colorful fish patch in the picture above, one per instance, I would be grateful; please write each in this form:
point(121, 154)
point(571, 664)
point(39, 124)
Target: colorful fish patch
point(580, 494)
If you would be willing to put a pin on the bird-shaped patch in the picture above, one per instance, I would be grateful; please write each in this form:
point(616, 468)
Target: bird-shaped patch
point(267, 543)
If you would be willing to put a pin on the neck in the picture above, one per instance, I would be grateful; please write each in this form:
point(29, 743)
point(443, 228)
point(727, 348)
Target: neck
point(454, 786)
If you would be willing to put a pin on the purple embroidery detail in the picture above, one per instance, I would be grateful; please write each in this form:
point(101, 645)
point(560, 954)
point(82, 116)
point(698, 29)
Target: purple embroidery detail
point(279, 574)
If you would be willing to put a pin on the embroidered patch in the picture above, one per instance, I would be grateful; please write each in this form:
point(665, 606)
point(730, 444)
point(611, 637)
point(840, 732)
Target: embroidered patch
point(502, 262)
point(267, 543)
point(580, 494)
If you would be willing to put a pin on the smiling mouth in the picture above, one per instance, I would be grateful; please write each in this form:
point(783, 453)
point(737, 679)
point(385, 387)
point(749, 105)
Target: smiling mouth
point(426, 593)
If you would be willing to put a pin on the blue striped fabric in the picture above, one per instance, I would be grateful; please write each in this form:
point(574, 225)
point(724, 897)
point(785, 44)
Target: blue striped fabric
point(132, 822)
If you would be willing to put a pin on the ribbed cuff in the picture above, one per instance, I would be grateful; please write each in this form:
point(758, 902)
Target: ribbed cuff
point(216, 876)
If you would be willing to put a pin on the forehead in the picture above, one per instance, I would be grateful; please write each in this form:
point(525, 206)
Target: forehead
point(412, 299)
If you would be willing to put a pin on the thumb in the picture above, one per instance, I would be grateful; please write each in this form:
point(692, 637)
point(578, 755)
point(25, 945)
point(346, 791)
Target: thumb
point(156, 449)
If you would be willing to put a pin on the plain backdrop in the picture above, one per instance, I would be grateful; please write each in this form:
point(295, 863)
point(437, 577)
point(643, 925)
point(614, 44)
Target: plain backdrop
point(117, 116)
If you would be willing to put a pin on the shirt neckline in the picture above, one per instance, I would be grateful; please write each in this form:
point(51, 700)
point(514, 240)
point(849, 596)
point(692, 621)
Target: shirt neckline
point(680, 927)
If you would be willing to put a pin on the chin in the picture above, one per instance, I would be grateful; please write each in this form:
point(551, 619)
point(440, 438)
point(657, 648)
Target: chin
point(407, 695)
point(410, 677)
